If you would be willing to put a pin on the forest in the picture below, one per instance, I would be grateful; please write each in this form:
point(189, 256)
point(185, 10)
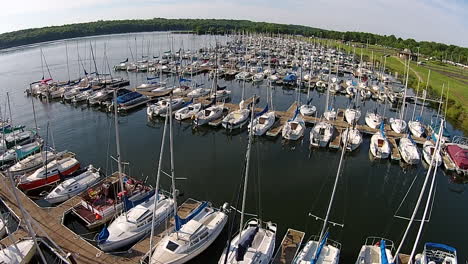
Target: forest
point(221, 26)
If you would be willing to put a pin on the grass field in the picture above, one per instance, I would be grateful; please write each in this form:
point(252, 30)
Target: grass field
point(442, 76)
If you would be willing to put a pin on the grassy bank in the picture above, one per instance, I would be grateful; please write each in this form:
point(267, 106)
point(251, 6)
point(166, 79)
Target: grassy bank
point(457, 110)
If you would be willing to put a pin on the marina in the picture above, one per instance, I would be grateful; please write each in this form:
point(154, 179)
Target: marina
point(209, 158)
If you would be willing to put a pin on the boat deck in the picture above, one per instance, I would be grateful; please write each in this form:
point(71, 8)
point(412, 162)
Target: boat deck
point(289, 247)
point(48, 222)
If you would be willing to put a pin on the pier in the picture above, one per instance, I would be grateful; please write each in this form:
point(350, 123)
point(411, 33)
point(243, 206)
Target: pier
point(289, 247)
point(48, 222)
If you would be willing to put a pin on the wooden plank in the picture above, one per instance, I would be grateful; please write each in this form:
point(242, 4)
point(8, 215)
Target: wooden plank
point(289, 247)
point(395, 152)
point(335, 143)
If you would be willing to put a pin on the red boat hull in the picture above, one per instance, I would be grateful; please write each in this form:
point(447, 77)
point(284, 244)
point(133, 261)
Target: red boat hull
point(27, 186)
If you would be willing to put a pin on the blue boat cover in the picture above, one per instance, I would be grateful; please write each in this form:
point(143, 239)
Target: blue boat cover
point(128, 97)
point(212, 102)
point(126, 60)
point(290, 78)
point(245, 243)
point(219, 88)
point(262, 112)
point(440, 246)
point(411, 139)
point(320, 247)
point(295, 114)
point(103, 235)
point(382, 129)
point(383, 253)
point(182, 221)
point(130, 204)
point(184, 80)
point(151, 78)
point(310, 100)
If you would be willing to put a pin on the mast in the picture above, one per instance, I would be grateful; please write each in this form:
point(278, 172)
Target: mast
point(425, 92)
point(417, 94)
point(158, 176)
point(119, 159)
point(171, 146)
point(325, 221)
point(246, 177)
point(402, 112)
point(421, 194)
point(437, 147)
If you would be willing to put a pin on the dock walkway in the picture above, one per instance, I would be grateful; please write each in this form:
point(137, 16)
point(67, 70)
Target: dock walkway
point(289, 247)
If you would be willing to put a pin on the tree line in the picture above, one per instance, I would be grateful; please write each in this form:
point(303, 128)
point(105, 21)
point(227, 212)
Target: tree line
point(222, 26)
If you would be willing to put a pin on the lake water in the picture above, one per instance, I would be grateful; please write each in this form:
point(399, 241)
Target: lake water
point(288, 180)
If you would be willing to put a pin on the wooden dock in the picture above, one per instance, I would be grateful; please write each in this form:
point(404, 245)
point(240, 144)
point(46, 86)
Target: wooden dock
point(395, 155)
point(289, 247)
point(336, 140)
point(47, 222)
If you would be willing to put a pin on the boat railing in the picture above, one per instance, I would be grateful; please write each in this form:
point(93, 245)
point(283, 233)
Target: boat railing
point(330, 242)
point(372, 241)
point(460, 140)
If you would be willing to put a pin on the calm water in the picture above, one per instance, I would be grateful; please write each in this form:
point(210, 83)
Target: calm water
point(288, 180)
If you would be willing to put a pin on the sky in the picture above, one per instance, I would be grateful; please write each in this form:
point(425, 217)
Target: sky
point(443, 21)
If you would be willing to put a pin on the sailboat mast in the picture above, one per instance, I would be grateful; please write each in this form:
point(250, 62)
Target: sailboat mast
point(158, 177)
point(437, 149)
point(425, 92)
point(246, 177)
point(171, 146)
point(119, 159)
point(325, 221)
point(402, 112)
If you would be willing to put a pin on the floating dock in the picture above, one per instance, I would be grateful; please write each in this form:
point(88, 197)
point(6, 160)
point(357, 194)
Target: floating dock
point(47, 222)
point(281, 119)
point(289, 247)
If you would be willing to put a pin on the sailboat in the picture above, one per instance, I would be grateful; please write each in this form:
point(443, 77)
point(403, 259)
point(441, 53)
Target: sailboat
point(379, 145)
point(307, 109)
point(408, 150)
point(255, 241)
point(264, 120)
point(437, 253)
point(210, 113)
point(320, 249)
point(322, 132)
point(161, 107)
point(134, 222)
point(191, 235)
point(373, 119)
point(399, 124)
point(294, 128)
point(238, 118)
point(188, 110)
point(428, 151)
point(354, 139)
point(20, 252)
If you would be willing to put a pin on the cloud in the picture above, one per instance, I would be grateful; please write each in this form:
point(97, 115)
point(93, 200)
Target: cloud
point(434, 20)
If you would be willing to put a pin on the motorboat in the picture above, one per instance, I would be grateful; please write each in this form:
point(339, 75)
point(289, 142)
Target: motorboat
point(73, 186)
point(49, 174)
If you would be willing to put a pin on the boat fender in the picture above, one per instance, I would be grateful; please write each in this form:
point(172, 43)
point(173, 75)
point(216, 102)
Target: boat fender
point(225, 207)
